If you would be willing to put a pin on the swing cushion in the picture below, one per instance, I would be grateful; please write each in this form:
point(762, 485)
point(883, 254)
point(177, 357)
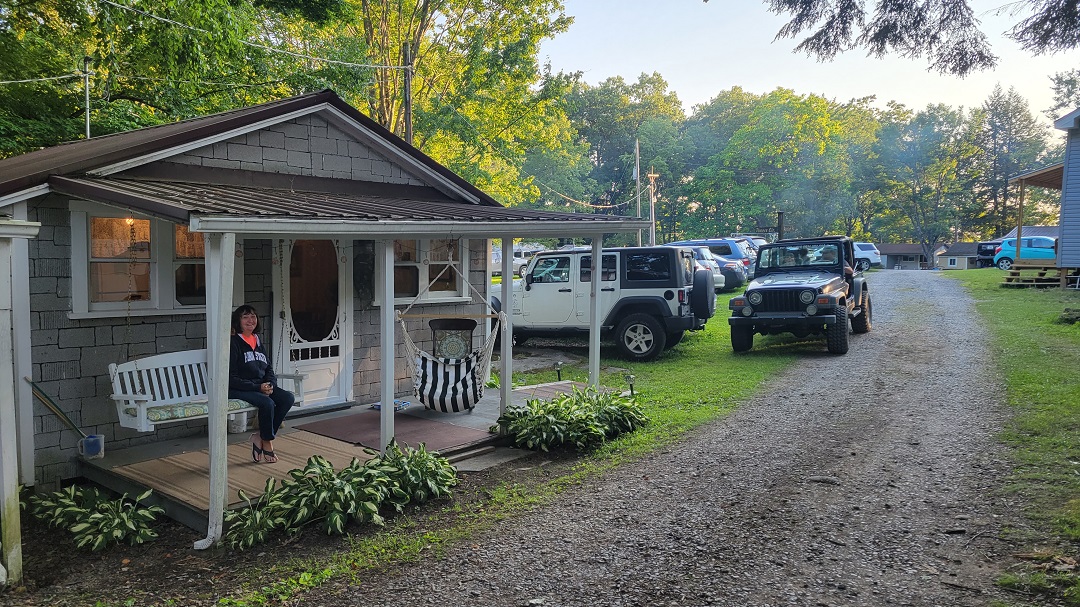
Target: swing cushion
point(164, 413)
point(448, 384)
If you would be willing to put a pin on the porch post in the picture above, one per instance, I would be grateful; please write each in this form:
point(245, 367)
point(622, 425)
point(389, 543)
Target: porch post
point(594, 310)
point(11, 570)
point(506, 345)
point(220, 260)
point(387, 347)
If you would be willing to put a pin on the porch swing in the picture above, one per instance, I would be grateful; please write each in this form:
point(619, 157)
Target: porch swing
point(451, 378)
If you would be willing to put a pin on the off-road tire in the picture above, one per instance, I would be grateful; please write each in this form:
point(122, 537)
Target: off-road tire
point(703, 295)
point(673, 339)
point(742, 339)
point(640, 337)
point(864, 321)
point(836, 335)
point(1004, 263)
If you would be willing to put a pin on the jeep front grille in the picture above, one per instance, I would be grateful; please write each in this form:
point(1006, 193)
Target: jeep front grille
point(780, 301)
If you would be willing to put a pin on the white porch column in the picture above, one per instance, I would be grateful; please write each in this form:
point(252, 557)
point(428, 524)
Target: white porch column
point(11, 571)
point(506, 345)
point(594, 310)
point(387, 344)
point(220, 263)
point(20, 309)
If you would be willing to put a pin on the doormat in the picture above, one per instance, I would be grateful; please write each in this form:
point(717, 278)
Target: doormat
point(363, 429)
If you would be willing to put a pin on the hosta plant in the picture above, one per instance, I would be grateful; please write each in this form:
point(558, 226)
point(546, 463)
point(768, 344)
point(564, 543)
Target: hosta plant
point(318, 492)
point(581, 420)
point(253, 524)
point(96, 521)
point(420, 474)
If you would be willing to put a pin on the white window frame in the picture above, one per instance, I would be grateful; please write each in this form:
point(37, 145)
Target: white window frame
point(163, 264)
point(461, 262)
point(952, 262)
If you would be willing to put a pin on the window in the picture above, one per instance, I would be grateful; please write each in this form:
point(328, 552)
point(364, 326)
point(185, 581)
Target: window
point(607, 273)
point(952, 262)
point(419, 263)
point(123, 262)
point(552, 269)
point(652, 265)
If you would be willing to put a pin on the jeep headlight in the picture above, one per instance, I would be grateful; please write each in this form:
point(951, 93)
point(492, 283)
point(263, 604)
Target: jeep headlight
point(755, 298)
point(807, 297)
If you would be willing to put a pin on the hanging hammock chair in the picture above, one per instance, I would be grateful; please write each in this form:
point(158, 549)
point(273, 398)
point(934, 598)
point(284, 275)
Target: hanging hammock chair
point(450, 379)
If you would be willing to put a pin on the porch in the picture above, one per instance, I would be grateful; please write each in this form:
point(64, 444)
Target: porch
point(178, 470)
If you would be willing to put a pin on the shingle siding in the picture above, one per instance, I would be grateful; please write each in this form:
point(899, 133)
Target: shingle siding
point(307, 145)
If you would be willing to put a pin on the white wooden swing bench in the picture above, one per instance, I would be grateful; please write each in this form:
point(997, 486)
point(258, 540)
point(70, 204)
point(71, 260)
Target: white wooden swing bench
point(171, 387)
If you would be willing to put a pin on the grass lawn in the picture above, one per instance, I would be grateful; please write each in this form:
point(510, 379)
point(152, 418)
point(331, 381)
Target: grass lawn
point(1039, 359)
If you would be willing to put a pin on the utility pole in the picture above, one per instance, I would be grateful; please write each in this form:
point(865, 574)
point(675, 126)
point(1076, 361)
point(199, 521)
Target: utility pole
point(652, 207)
point(86, 87)
point(407, 54)
point(637, 182)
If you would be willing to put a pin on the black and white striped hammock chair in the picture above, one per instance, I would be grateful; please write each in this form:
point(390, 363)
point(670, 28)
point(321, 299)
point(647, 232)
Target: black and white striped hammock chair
point(450, 385)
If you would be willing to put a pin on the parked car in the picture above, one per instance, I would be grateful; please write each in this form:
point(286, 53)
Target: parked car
point(1035, 247)
point(867, 255)
point(985, 251)
point(733, 249)
point(803, 287)
point(704, 257)
point(649, 297)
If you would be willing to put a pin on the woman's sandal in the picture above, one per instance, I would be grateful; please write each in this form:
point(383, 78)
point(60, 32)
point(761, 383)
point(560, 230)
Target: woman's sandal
point(269, 457)
point(257, 452)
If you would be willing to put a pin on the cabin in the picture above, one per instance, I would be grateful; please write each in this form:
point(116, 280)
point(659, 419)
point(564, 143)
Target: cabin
point(144, 241)
point(958, 256)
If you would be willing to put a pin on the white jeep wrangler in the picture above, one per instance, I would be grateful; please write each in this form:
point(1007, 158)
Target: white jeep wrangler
point(649, 297)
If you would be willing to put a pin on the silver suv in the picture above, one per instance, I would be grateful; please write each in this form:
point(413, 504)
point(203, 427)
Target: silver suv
point(649, 297)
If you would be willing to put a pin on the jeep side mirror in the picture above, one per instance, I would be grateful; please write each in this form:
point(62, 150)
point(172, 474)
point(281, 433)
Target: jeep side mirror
point(528, 281)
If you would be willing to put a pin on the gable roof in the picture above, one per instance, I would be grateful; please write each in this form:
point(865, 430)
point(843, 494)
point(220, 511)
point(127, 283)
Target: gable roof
point(1052, 231)
point(961, 249)
point(33, 169)
point(900, 249)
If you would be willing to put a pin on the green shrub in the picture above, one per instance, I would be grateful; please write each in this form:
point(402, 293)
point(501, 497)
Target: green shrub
point(357, 493)
point(581, 420)
point(96, 521)
point(420, 474)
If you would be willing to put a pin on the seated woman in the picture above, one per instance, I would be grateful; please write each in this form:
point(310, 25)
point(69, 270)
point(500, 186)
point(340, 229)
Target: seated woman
point(252, 379)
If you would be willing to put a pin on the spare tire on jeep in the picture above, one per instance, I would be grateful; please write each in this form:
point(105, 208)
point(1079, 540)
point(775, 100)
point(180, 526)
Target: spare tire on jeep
point(703, 297)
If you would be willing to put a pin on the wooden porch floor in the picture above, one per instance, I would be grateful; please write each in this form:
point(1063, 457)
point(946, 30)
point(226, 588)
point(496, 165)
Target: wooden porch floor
point(178, 470)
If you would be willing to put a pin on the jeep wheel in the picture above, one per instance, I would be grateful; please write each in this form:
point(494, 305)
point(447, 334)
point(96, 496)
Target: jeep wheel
point(742, 338)
point(836, 335)
point(673, 339)
point(640, 337)
point(1004, 263)
point(862, 322)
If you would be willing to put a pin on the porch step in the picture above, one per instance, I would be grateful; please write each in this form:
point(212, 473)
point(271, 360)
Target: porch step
point(453, 458)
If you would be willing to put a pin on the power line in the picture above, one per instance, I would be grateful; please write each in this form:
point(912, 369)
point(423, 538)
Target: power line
point(65, 77)
point(254, 45)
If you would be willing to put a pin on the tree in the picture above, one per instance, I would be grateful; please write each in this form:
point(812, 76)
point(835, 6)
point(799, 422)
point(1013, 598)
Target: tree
point(924, 158)
point(1011, 141)
point(1066, 87)
point(946, 32)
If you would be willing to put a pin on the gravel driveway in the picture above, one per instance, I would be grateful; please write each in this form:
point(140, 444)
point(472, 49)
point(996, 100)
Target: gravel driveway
point(865, 479)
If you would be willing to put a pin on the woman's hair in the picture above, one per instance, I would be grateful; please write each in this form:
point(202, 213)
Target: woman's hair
point(237, 313)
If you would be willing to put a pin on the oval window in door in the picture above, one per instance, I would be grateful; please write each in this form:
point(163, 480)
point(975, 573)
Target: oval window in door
point(313, 288)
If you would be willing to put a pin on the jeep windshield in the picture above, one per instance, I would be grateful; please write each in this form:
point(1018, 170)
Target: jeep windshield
point(799, 258)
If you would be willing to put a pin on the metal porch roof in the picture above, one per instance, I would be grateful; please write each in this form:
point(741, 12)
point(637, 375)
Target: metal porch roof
point(250, 210)
point(1046, 177)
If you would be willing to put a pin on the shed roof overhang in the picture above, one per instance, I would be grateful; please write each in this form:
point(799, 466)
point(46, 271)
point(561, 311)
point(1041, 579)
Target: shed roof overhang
point(1046, 177)
point(256, 212)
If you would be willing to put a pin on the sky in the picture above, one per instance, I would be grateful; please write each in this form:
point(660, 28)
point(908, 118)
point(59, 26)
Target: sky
point(701, 49)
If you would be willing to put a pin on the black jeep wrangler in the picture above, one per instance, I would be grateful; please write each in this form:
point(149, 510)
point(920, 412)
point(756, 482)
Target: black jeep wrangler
point(805, 286)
